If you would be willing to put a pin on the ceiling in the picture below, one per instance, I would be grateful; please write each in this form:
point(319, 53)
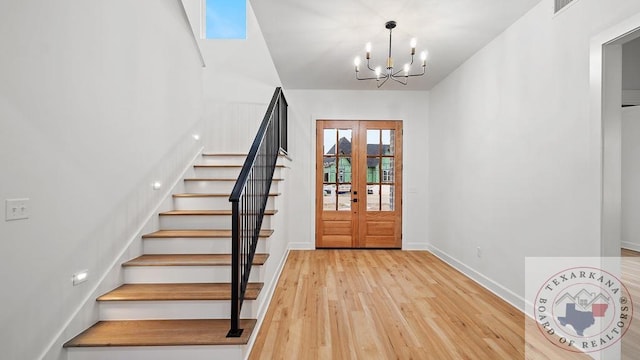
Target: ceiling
point(314, 43)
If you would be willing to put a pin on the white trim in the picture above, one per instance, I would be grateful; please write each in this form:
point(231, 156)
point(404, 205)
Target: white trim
point(415, 246)
point(502, 292)
point(618, 33)
point(91, 295)
point(631, 246)
point(301, 246)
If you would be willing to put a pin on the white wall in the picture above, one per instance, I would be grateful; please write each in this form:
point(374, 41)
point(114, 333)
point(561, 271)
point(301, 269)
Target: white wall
point(307, 106)
point(514, 155)
point(238, 81)
point(630, 65)
point(97, 100)
point(631, 178)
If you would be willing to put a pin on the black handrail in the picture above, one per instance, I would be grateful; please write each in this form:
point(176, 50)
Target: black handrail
point(249, 200)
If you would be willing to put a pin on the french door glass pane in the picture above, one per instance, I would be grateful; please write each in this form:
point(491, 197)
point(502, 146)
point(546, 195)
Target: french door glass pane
point(344, 141)
point(387, 193)
point(330, 137)
point(344, 170)
point(373, 197)
point(344, 197)
point(387, 170)
point(373, 170)
point(329, 170)
point(329, 197)
point(373, 142)
point(388, 142)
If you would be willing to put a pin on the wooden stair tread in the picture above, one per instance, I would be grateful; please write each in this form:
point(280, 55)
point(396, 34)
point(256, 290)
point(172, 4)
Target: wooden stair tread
point(190, 260)
point(177, 292)
point(197, 195)
point(207, 212)
point(161, 333)
point(163, 234)
point(219, 179)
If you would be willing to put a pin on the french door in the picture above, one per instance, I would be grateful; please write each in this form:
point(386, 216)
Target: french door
point(358, 184)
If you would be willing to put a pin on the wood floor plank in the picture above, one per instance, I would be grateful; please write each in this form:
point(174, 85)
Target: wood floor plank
point(389, 304)
point(161, 333)
point(177, 292)
point(163, 234)
point(189, 260)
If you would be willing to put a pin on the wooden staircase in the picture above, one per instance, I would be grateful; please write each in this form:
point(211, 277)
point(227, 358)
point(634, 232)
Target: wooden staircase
point(178, 292)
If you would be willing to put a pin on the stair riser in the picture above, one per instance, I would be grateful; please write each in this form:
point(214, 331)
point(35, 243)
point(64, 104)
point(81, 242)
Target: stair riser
point(194, 246)
point(168, 310)
point(158, 353)
point(184, 274)
point(201, 222)
point(226, 172)
point(210, 187)
point(231, 160)
point(211, 203)
point(222, 160)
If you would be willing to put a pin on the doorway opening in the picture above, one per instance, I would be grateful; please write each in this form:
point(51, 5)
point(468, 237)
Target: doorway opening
point(609, 94)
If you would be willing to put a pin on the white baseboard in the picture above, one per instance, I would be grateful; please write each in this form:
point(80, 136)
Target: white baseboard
point(416, 247)
point(505, 294)
point(631, 246)
point(301, 246)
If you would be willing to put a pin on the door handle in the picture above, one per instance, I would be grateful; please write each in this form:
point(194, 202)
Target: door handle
point(355, 200)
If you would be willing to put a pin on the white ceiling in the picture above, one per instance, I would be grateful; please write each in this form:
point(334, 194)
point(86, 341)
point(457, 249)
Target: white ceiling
point(313, 43)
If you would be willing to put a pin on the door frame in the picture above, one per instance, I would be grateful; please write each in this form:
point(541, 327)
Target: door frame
point(605, 67)
point(317, 191)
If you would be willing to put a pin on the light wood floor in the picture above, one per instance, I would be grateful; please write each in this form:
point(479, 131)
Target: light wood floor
point(378, 304)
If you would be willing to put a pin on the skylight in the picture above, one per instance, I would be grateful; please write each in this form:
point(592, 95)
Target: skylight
point(226, 19)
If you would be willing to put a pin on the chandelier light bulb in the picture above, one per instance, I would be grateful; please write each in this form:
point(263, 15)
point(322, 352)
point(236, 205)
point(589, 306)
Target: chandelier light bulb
point(413, 43)
point(356, 62)
point(406, 69)
point(367, 47)
point(378, 72)
point(423, 56)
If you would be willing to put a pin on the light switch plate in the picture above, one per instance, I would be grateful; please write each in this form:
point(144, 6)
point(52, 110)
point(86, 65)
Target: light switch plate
point(17, 209)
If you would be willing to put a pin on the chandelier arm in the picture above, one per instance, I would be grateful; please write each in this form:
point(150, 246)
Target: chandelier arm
point(369, 65)
point(401, 82)
point(385, 80)
point(369, 78)
point(424, 71)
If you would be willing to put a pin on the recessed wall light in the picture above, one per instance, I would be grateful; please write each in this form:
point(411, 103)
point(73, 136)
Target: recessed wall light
point(80, 277)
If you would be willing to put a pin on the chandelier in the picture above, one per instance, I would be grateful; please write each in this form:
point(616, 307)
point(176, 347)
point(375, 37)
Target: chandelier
point(382, 76)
